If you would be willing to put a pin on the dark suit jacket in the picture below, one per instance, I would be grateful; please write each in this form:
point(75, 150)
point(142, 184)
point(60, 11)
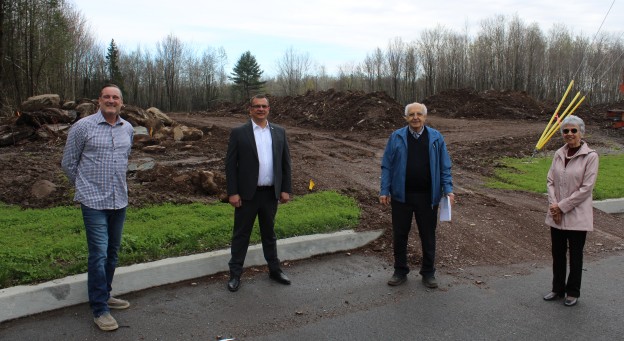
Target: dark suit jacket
point(242, 165)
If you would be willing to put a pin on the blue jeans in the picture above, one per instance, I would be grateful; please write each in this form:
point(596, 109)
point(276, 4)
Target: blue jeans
point(103, 228)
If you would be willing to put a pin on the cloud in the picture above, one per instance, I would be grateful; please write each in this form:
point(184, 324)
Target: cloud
point(330, 30)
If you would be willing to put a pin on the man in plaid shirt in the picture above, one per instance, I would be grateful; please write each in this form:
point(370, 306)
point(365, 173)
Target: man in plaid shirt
point(95, 160)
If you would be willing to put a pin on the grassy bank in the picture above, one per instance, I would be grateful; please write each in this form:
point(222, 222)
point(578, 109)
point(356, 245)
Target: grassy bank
point(43, 244)
point(529, 174)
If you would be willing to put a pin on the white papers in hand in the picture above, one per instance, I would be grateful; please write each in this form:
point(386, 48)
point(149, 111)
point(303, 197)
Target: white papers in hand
point(445, 209)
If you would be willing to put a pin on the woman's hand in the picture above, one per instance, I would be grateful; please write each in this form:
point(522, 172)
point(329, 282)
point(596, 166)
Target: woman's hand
point(554, 209)
point(557, 218)
point(555, 212)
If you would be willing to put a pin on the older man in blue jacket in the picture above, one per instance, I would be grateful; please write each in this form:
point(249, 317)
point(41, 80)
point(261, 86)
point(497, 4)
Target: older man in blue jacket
point(415, 176)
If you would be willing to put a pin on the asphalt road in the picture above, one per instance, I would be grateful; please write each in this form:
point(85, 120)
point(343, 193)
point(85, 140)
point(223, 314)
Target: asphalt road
point(341, 297)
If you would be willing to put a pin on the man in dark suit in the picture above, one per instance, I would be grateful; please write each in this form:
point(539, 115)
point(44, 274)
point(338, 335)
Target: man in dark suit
point(258, 172)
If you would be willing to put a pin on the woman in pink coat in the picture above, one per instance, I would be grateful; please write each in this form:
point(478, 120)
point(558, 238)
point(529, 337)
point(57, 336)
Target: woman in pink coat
point(571, 179)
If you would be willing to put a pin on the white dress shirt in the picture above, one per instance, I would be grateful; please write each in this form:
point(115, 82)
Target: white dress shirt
point(264, 145)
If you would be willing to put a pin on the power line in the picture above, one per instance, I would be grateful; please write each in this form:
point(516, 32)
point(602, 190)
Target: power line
point(593, 40)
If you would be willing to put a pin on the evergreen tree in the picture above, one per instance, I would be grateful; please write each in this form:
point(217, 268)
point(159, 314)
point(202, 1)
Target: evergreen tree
point(246, 75)
point(112, 64)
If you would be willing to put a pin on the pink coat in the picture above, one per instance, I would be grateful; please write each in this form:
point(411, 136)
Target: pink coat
point(571, 187)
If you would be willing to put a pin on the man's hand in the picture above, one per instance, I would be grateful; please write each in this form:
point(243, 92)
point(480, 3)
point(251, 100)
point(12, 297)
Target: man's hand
point(384, 199)
point(452, 197)
point(235, 200)
point(284, 197)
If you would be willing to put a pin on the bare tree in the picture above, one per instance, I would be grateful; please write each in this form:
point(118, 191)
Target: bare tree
point(533, 58)
point(349, 75)
point(410, 75)
point(395, 58)
point(292, 68)
point(170, 55)
point(82, 42)
point(429, 48)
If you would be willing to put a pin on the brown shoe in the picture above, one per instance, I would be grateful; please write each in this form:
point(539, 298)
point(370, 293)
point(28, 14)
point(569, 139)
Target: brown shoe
point(117, 303)
point(397, 280)
point(106, 322)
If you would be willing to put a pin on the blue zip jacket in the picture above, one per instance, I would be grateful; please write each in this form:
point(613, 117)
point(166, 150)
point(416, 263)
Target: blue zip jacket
point(394, 165)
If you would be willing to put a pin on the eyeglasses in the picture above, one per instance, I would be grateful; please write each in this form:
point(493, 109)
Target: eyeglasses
point(258, 106)
point(573, 131)
point(113, 97)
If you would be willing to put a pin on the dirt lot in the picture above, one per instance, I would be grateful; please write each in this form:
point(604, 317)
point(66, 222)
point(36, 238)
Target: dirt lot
point(337, 140)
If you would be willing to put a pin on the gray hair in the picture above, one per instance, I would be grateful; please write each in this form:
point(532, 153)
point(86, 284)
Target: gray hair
point(574, 120)
point(422, 107)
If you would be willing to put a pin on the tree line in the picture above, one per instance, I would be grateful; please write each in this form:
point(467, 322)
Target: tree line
point(46, 46)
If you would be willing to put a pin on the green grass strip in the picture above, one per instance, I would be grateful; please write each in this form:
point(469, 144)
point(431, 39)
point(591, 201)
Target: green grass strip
point(529, 174)
point(43, 244)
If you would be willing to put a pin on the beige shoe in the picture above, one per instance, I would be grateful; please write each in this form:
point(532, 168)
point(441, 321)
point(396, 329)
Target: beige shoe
point(106, 322)
point(117, 303)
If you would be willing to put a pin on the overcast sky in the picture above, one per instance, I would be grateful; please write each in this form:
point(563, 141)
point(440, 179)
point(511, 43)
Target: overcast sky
point(333, 32)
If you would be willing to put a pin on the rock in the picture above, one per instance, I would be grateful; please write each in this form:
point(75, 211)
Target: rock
point(57, 127)
point(184, 133)
point(52, 130)
point(135, 115)
point(160, 116)
point(140, 130)
point(154, 149)
point(181, 178)
point(69, 105)
point(10, 135)
point(42, 188)
point(141, 164)
point(205, 180)
point(207, 129)
point(46, 116)
point(39, 102)
point(141, 140)
point(139, 117)
point(163, 133)
point(86, 109)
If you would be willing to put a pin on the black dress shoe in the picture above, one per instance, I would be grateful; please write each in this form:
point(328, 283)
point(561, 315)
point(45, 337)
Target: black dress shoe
point(430, 282)
point(397, 280)
point(279, 276)
point(234, 283)
point(570, 301)
point(552, 296)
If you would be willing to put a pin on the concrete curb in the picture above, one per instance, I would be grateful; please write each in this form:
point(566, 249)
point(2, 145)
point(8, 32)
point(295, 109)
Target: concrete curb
point(610, 205)
point(25, 300)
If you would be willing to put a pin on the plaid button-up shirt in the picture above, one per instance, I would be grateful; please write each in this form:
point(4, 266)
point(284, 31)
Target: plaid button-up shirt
point(96, 160)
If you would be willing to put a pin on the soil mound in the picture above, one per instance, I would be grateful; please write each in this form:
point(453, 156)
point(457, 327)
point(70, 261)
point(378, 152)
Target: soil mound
point(334, 110)
point(491, 104)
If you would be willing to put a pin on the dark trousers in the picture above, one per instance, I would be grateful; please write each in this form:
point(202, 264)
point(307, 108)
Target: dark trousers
point(419, 206)
point(562, 240)
point(264, 206)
